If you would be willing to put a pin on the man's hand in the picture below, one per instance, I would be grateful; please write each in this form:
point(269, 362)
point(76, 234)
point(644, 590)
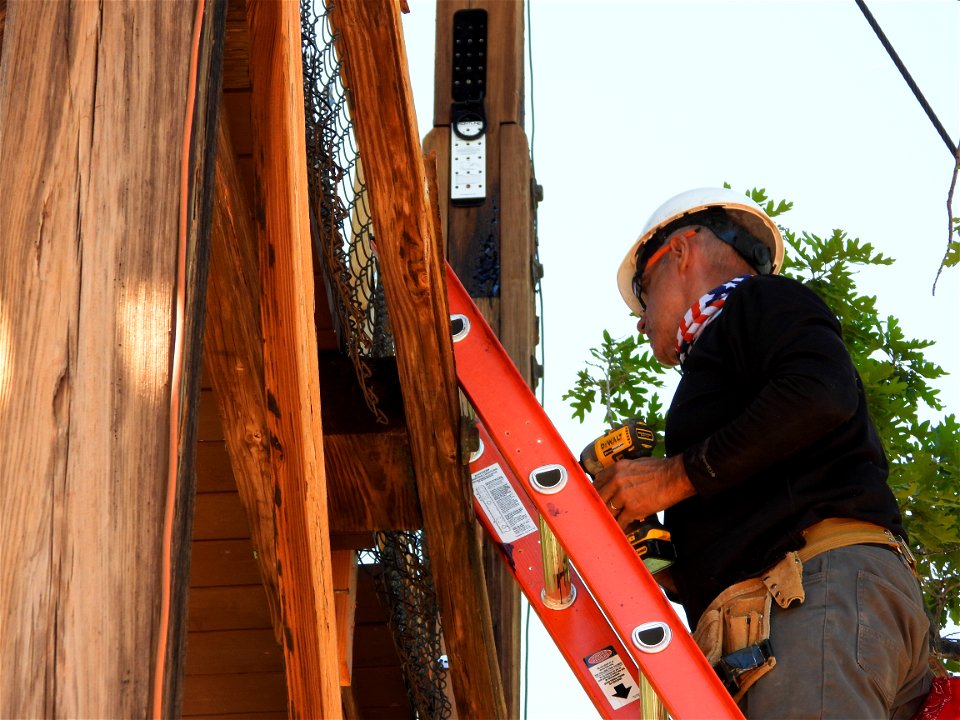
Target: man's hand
point(634, 489)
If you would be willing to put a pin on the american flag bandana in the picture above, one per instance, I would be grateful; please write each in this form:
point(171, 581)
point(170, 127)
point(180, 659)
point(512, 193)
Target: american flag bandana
point(703, 312)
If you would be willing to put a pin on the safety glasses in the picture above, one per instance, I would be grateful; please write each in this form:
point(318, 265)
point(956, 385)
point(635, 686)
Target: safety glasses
point(644, 265)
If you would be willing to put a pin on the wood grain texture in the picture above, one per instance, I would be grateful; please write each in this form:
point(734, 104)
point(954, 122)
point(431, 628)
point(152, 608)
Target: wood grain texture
point(371, 482)
point(236, 75)
point(233, 357)
point(223, 562)
point(90, 145)
point(291, 373)
point(345, 598)
point(235, 695)
point(236, 651)
point(411, 252)
point(220, 516)
point(518, 317)
point(230, 607)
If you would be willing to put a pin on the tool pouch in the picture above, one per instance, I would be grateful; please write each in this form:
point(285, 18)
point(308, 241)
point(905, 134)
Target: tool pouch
point(734, 631)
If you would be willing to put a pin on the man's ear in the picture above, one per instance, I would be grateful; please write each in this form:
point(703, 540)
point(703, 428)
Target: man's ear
point(683, 251)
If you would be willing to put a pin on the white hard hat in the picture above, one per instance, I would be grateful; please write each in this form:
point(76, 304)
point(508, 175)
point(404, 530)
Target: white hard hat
point(740, 209)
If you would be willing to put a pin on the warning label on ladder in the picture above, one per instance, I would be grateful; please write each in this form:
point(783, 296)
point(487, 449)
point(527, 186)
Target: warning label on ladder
point(501, 504)
point(611, 675)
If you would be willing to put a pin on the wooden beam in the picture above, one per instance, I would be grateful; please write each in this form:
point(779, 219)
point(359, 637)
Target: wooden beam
point(291, 372)
point(233, 357)
point(370, 478)
point(92, 217)
point(371, 483)
point(368, 464)
point(411, 256)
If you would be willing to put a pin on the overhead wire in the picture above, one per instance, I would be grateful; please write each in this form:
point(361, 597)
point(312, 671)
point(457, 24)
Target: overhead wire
point(948, 141)
point(952, 146)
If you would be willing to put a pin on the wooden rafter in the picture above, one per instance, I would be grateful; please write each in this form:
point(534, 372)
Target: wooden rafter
point(291, 370)
point(410, 248)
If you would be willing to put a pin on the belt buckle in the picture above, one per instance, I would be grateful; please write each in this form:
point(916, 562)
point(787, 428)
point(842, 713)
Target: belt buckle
point(903, 550)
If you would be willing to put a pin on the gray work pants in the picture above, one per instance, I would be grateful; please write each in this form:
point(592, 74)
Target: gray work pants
point(856, 648)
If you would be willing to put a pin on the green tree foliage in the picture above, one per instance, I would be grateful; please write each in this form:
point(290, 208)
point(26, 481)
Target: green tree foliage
point(623, 377)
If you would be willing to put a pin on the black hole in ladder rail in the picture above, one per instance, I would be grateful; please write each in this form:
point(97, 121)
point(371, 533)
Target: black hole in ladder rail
point(549, 478)
point(456, 326)
point(651, 636)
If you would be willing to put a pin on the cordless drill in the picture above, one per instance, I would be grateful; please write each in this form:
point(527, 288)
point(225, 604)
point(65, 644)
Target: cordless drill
point(633, 439)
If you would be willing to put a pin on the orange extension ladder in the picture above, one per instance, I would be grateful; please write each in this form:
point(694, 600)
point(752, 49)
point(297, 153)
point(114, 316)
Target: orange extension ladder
point(606, 614)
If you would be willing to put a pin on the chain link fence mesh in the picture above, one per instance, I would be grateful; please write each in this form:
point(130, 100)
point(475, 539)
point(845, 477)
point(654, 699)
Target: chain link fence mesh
point(405, 583)
point(339, 205)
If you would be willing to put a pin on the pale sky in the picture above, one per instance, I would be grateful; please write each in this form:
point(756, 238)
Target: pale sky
point(636, 101)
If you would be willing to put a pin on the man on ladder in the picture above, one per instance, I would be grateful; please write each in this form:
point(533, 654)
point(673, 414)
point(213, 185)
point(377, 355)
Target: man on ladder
point(791, 558)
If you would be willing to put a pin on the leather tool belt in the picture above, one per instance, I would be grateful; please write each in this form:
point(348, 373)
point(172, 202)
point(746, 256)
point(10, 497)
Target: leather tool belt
point(734, 631)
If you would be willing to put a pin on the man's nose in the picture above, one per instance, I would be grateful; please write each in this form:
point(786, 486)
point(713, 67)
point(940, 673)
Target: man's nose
point(642, 324)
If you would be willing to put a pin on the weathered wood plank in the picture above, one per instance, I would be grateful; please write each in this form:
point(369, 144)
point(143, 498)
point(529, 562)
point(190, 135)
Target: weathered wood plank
point(291, 370)
point(236, 76)
point(518, 316)
point(375, 646)
point(220, 516)
point(91, 227)
point(247, 650)
point(231, 694)
point(223, 562)
point(267, 715)
point(410, 249)
point(231, 607)
point(351, 541)
point(381, 689)
point(197, 192)
point(213, 468)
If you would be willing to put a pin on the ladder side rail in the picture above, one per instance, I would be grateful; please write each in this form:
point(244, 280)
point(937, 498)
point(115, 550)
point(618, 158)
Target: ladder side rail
point(580, 630)
point(627, 593)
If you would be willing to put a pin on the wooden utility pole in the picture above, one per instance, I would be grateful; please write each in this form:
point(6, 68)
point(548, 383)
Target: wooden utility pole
point(108, 117)
point(490, 239)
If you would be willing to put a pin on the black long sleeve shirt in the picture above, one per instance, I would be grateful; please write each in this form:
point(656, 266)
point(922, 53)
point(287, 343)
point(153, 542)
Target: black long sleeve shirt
point(771, 420)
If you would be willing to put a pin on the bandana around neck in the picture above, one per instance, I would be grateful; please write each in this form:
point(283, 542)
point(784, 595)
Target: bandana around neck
point(703, 312)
